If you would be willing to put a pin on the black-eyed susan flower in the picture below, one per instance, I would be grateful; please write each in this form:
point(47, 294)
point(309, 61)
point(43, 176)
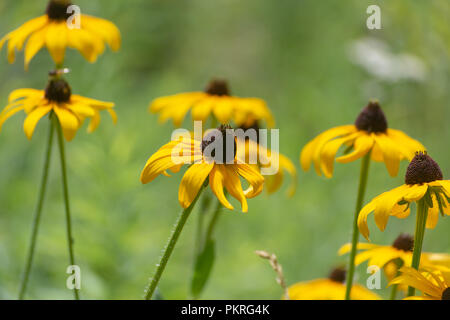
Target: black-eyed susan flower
point(434, 284)
point(331, 288)
point(423, 181)
point(52, 31)
point(370, 133)
point(401, 249)
point(220, 173)
point(71, 109)
point(217, 101)
point(262, 157)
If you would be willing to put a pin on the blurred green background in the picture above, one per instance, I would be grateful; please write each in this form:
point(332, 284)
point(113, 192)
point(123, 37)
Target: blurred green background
point(314, 62)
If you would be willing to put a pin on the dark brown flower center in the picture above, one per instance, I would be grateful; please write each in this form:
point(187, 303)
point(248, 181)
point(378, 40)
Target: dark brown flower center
point(224, 156)
point(58, 90)
point(338, 275)
point(372, 119)
point(250, 135)
point(446, 294)
point(57, 10)
point(217, 88)
point(422, 169)
point(404, 242)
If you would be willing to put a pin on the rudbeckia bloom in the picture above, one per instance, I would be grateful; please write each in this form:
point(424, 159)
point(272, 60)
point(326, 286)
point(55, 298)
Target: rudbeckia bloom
point(401, 248)
point(370, 133)
point(332, 288)
point(266, 158)
point(217, 101)
point(423, 180)
point(434, 285)
point(71, 109)
point(221, 174)
point(51, 31)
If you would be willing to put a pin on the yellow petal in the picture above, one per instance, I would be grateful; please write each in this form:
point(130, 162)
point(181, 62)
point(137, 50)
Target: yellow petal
point(360, 246)
point(68, 120)
point(391, 153)
point(254, 178)
point(216, 181)
point(362, 218)
point(33, 118)
point(104, 28)
point(34, 44)
point(56, 40)
point(329, 151)
point(192, 181)
point(233, 185)
point(433, 214)
point(363, 144)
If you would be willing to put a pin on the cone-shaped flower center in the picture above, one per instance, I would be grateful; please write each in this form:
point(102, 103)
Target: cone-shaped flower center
point(338, 275)
point(422, 169)
point(404, 242)
point(226, 138)
point(446, 294)
point(58, 90)
point(57, 9)
point(218, 88)
point(372, 119)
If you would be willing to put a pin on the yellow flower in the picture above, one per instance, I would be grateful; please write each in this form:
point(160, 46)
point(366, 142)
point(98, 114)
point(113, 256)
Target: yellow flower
point(215, 100)
point(435, 285)
point(266, 158)
point(385, 256)
point(332, 288)
point(71, 109)
point(51, 31)
point(370, 133)
point(222, 174)
point(423, 179)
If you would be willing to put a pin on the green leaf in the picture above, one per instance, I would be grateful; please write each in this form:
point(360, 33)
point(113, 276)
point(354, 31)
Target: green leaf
point(202, 268)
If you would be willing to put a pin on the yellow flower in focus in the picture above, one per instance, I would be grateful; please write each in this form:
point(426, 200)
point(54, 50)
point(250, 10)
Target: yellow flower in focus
point(423, 179)
point(386, 257)
point(226, 174)
point(217, 101)
point(370, 133)
point(332, 288)
point(434, 285)
point(51, 31)
point(71, 109)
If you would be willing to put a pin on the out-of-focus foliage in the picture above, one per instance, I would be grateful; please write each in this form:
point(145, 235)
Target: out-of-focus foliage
point(297, 55)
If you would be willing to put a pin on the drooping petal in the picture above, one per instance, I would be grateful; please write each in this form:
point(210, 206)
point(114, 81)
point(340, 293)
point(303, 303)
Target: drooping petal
point(68, 120)
point(391, 153)
point(233, 184)
point(9, 113)
point(360, 246)
point(313, 147)
point(433, 214)
point(192, 182)
point(407, 145)
point(362, 218)
point(34, 44)
point(56, 40)
point(33, 118)
point(104, 28)
point(362, 145)
point(216, 182)
point(254, 178)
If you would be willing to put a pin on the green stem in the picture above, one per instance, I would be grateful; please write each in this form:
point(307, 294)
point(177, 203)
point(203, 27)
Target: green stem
point(212, 223)
point(421, 220)
point(204, 205)
point(181, 221)
point(66, 197)
point(359, 202)
point(37, 214)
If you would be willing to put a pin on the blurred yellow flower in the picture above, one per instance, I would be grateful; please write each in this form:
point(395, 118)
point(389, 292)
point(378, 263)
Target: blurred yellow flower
point(217, 101)
point(266, 159)
point(332, 288)
point(71, 109)
point(370, 133)
point(51, 31)
point(423, 179)
point(401, 249)
point(176, 153)
point(434, 285)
